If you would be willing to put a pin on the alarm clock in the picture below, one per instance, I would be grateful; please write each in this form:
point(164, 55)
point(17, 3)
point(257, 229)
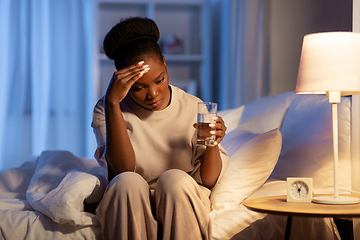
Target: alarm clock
point(299, 189)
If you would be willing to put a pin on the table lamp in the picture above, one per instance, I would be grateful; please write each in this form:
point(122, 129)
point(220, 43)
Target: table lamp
point(330, 64)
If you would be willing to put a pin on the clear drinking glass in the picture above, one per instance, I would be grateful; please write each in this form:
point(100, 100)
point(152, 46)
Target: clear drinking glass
point(206, 113)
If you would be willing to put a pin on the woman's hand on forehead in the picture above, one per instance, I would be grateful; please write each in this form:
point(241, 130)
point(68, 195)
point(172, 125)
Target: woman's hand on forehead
point(122, 81)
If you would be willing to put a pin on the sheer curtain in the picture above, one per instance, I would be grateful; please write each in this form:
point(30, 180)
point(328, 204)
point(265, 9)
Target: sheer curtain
point(46, 59)
point(241, 51)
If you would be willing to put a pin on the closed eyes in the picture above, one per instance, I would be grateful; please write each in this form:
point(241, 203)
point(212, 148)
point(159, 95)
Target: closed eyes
point(140, 87)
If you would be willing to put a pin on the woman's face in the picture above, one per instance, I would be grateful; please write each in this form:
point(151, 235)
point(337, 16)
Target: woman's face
point(152, 90)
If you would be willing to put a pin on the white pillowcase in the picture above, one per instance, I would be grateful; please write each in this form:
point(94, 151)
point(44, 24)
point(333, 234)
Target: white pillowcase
point(258, 116)
point(307, 149)
point(266, 113)
point(252, 158)
point(232, 117)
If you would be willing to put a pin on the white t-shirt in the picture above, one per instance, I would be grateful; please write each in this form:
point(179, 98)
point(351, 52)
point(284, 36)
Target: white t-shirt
point(162, 140)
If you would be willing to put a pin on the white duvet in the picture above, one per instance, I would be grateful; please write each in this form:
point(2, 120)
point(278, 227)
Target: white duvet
point(44, 198)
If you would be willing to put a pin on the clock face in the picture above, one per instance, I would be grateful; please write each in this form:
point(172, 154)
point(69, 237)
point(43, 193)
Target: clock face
point(299, 189)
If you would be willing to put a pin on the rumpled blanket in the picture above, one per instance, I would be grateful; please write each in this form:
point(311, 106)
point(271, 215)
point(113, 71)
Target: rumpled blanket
point(61, 184)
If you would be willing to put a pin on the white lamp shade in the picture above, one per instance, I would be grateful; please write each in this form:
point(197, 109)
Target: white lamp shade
point(330, 62)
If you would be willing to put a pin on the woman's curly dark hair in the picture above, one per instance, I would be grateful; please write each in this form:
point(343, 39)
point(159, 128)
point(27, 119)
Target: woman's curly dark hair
point(131, 38)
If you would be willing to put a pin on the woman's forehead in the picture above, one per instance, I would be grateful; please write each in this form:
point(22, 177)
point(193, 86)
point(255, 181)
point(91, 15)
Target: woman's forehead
point(150, 59)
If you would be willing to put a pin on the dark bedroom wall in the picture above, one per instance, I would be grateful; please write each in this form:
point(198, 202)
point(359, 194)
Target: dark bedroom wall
point(290, 21)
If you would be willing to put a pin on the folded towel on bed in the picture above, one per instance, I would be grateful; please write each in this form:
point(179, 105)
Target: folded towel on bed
point(60, 185)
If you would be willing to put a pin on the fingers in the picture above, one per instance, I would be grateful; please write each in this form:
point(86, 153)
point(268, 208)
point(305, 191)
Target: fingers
point(132, 73)
point(218, 129)
point(122, 81)
point(219, 125)
point(131, 68)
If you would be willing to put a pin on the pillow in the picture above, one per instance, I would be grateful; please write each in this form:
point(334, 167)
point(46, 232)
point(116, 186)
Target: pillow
point(232, 117)
point(258, 116)
point(266, 113)
point(60, 185)
point(307, 149)
point(252, 158)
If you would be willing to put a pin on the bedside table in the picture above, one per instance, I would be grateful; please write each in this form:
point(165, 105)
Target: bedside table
point(278, 205)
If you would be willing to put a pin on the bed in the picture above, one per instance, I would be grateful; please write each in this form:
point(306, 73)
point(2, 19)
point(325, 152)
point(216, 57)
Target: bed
point(53, 196)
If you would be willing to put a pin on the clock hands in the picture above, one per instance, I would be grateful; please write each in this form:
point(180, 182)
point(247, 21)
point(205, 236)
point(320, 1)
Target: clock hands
point(298, 189)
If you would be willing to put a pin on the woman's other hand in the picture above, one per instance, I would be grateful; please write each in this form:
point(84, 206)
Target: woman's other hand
point(218, 129)
point(211, 166)
point(122, 81)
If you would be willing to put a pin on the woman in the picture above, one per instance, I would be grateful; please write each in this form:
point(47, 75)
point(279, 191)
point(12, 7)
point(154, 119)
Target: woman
point(160, 180)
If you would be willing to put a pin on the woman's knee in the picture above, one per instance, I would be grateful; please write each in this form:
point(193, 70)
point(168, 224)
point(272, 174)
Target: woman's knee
point(128, 181)
point(174, 180)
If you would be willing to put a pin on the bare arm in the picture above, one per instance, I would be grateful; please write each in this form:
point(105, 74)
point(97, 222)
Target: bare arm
point(119, 152)
point(210, 168)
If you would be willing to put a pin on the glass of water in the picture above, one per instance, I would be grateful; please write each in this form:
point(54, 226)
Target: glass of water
point(206, 113)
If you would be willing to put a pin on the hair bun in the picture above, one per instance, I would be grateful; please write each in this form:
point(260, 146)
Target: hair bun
point(127, 30)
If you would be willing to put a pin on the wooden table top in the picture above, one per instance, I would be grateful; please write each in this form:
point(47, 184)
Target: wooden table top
point(279, 206)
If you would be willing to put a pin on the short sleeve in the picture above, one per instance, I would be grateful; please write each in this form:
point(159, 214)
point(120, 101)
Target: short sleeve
point(99, 128)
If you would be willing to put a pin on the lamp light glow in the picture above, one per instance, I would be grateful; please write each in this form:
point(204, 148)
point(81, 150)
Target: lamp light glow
point(330, 64)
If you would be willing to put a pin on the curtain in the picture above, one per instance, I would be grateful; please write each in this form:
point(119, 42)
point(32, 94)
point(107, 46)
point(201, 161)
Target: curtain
point(355, 126)
point(46, 59)
point(241, 51)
